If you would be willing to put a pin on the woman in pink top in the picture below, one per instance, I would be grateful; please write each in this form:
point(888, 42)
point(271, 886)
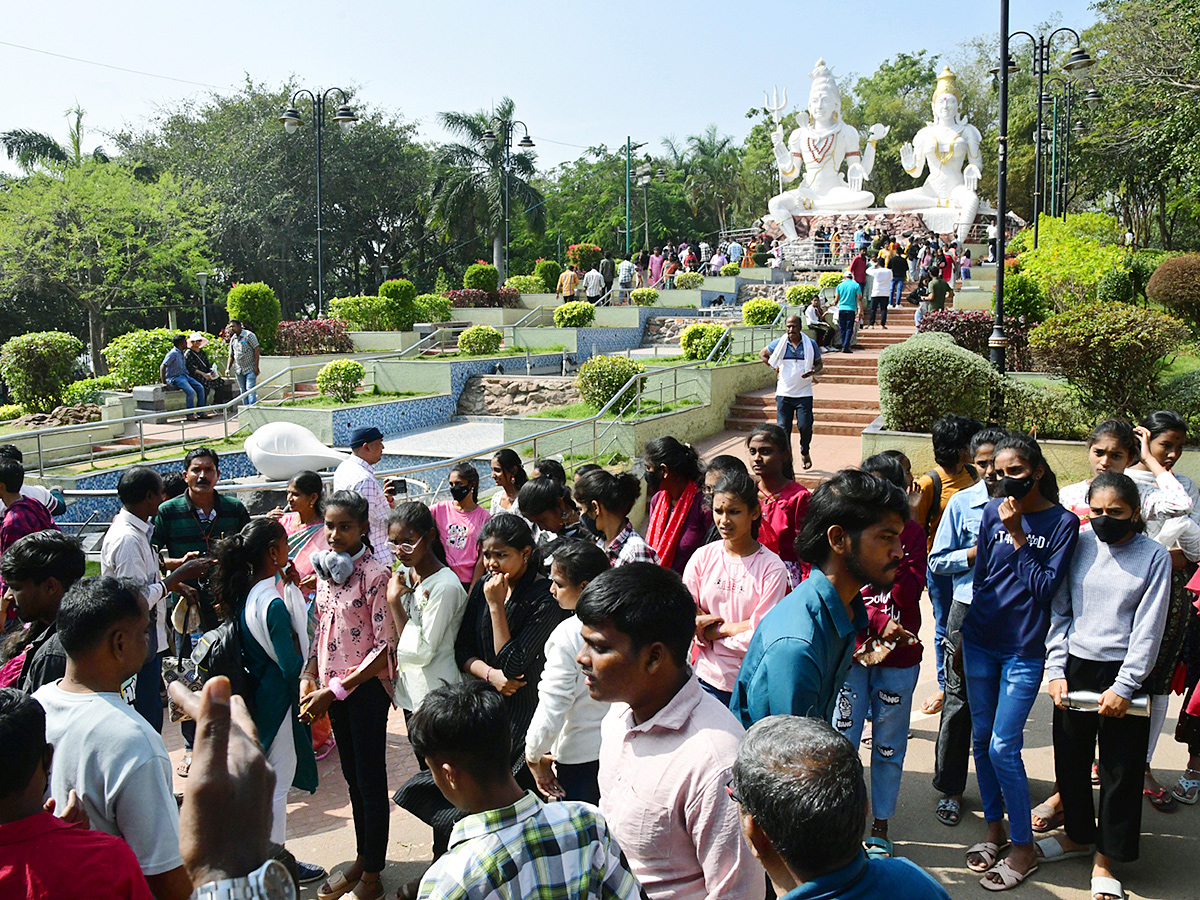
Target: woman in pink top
point(656, 267)
point(735, 581)
point(459, 522)
point(784, 500)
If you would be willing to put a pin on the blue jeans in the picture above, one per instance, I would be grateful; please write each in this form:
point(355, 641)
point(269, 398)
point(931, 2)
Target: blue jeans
point(886, 693)
point(1001, 689)
point(246, 382)
point(846, 319)
point(941, 595)
point(897, 291)
point(193, 390)
point(801, 409)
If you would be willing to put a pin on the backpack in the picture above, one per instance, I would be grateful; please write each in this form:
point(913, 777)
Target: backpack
point(933, 476)
point(219, 652)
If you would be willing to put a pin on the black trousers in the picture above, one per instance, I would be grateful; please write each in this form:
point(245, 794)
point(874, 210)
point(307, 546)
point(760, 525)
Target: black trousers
point(1122, 764)
point(879, 305)
point(954, 730)
point(580, 780)
point(360, 726)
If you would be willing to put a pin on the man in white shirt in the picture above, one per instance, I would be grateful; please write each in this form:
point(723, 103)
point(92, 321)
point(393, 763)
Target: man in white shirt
point(797, 359)
point(127, 553)
point(593, 284)
point(879, 277)
point(735, 251)
point(358, 474)
point(103, 750)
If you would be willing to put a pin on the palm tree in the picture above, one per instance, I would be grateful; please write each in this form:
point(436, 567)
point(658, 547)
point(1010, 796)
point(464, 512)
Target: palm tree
point(710, 165)
point(469, 180)
point(33, 149)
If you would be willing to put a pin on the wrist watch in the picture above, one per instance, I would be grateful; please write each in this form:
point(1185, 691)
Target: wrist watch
point(270, 881)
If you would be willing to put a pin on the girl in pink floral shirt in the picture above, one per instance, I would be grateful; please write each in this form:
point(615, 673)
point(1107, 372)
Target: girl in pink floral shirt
point(350, 671)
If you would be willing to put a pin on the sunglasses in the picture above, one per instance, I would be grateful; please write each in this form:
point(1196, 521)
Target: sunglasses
point(406, 549)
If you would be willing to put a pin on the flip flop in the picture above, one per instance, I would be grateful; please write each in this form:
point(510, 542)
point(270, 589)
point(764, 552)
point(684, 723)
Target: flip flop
point(1051, 818)
point(1009, 877)
point(1050, 850)
point(878, 848)
point(806, 461)
point(989, 851)
point(185, 766)
point(1160, 800)
point(335, 886)
point(1187, 790)
point(932, 705)
point(1106, 887)
point(949, 811)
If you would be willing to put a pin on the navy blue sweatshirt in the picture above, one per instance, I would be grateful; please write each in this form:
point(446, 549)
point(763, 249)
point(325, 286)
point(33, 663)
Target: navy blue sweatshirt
point(1010, 609)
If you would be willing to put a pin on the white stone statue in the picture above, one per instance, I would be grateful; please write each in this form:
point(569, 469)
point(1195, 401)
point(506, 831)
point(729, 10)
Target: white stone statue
point(947, 200)
point(820, 148)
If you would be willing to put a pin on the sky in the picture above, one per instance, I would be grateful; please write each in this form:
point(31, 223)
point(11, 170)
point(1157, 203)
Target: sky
point(580, 75)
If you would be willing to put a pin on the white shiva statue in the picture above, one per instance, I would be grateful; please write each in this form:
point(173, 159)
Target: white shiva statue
point(820, 148)
point(949, 145)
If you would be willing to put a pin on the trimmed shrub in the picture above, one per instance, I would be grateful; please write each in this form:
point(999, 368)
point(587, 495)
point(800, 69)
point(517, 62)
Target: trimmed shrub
point(431, 308)
point(547, 270)
point(644, 296)
point(133, 358)
point(374, 313)
point(526, 284)
point(481, 276)
point(307, 337)
point(88, 390)
point(340, 379)
point(1182, 394)
point(1024, 299)
point(698, 340)
point(576, 314)
point(1047, 410)
point(688, 281)
point(37, 367)
point(257, 307)
point(829, 279)
point(971, 329)
point(506, 297)
point(1175, 284)
point(10, 411)
point(928, 376)
point(730, 269)
point(399, 289)
point(601, 378)
point(583, 255)
point(1115, 287)
point(802, 294)
point(479, 340)
point(468, 298)
point(759, 311)
point(1113, 354)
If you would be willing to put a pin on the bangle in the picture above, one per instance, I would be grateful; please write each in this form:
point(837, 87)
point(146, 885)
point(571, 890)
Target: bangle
point(488, 675)
point(339, 690)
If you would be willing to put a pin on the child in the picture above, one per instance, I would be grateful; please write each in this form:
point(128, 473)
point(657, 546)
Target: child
point(784, 500)
point(459, 520)
point(350, 672)
point(562, 745)
point(734, 582)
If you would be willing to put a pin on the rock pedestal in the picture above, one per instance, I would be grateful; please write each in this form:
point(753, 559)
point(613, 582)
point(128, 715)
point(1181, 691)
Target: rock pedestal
point(511, 395)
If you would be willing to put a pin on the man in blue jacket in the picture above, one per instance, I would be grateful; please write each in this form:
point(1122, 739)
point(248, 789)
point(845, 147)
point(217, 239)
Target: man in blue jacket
point(801, 651)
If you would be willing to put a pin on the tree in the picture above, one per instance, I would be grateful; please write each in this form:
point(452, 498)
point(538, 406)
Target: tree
point(33, 150)
point(97, 235)
point(469, 181)
point(710, 164)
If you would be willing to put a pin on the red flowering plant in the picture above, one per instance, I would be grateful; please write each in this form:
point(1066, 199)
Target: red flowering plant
point(971, 328)
point(583, 255)
point(306, 337)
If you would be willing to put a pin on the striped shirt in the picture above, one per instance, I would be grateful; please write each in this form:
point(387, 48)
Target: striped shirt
point(551, 851)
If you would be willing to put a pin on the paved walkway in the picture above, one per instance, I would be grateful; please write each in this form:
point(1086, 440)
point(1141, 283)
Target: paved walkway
point(447, 440)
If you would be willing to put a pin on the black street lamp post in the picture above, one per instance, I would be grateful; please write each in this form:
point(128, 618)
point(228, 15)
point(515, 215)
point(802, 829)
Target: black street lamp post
point(526, 143)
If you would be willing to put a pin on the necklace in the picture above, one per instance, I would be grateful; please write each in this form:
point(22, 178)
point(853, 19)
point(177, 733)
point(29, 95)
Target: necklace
point(821, 150)
point(949, 154)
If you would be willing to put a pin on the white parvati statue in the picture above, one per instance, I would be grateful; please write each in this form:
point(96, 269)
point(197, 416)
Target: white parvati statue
point(820, 148)
point(947, 200)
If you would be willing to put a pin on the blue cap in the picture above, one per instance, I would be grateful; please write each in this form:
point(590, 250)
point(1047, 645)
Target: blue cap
point(365, 435)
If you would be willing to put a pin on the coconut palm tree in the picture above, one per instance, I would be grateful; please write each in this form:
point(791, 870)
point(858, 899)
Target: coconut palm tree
point(469, 180)
point(710, 165)
point(32, 150)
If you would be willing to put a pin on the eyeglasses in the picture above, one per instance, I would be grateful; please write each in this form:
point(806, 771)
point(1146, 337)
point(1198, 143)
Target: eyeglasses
point(406, 549)
point(729, 790)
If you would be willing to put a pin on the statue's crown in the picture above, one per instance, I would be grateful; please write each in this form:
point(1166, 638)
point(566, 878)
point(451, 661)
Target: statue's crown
point(822, 77)
point(947, 83)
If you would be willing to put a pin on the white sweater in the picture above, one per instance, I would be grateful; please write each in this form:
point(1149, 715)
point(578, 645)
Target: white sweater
point(567, 720)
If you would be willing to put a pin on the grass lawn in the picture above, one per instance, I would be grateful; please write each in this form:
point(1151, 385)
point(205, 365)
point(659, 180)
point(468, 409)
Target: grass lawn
point(583, 410)
point(236, 442)
point(324, 402)
point(90, 568)
point(1184, 363)
point(504, 351)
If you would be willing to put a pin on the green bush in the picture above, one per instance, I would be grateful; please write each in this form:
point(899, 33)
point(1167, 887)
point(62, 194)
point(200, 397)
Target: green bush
point(928, 376)
point(399, 289)
point(1112, 354)
point(1175, 284)
point(759, 311)
point(1115, 286)
point(547, 270)
point(698, 340)
point(730, 269)
point(431, 308)
point(688, 281)
point(481, 277)
point(375, 313)
point(526, 284)
point(601, 378)
point(340, 379)
point(1182, 395)
point(1050, 411)
point(257, 307)
point(134, 358)
point(36, 367)
point(441, 283)
point(802, 294)
point(829, 280)
point(576, 314)
point(644, 296)
point(479, 340)
point(1024, 299)
point(88, 390)
point(1072, 255)
point(10, 411)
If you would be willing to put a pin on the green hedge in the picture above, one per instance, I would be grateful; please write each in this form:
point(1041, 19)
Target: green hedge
point(829, 279)
point(256, 306)
point(688, 281)
point(1182, 394)
point(802, 294)
point(88, 390)
point(730, 269)
point(374, 313)
point(547, 270)
point(759, 311)
point(340, 379)
point(576, 314)
point(479, 340)
point(431, 308)
point(526, 284)
point(645, 296)
point(400, 289)
point(928, 376)
point(133, 358)
point(481, 277)
point(601, 378)
point(699, 340)
point(37, 367)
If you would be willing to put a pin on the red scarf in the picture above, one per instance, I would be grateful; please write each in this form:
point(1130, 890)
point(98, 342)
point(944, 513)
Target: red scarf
point(666, 528)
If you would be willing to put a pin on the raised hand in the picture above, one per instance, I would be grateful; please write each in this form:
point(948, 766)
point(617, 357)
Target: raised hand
point(908, 156)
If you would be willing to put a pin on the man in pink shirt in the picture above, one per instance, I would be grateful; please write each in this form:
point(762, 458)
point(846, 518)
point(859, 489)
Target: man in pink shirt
point(667, 748)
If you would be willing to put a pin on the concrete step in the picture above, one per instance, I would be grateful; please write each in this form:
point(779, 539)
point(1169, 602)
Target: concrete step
point(739, 413)
point(830, 404)
point(849, 379)
point(843, 428)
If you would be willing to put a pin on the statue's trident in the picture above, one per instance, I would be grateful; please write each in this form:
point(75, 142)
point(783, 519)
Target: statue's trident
point(775, 106)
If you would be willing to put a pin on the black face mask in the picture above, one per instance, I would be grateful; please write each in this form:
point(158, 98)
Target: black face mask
point(1110, 530)
point(589, 525)
point(1015, 487)
point(460, 492)
point(653, 481)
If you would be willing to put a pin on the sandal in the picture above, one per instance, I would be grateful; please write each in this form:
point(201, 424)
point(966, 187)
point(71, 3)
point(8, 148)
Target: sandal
point(1007, 875)
point(1160, 800)
point(988, 851)
point(1050, 818)
point(878, 848)
point(1050, 850)
point(949, 811)
point(335, 886)
point(1187, 790)
point(932, 704)
point(185, 766)
point(1107, 888)
point(806, 460)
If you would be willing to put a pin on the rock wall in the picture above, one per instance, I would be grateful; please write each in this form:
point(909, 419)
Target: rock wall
point(776, 292)
point(666, 329)
point(510, 395)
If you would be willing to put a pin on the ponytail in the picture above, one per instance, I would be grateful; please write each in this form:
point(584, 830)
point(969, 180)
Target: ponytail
point(237, 558)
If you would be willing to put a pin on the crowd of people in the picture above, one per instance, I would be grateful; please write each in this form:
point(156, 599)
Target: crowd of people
point(596, 711)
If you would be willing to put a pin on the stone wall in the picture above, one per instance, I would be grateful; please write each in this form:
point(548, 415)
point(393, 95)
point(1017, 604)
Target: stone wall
point(776, 292)
point(509, 395)
point(666, 329)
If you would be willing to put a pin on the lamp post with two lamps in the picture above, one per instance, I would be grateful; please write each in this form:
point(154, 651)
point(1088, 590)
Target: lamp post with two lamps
point(644, 179)
point(292, 120)
point(1060, 169)
point(526, 143)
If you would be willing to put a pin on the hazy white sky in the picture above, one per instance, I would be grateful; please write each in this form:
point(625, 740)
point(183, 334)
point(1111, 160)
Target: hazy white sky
point(581, 74)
